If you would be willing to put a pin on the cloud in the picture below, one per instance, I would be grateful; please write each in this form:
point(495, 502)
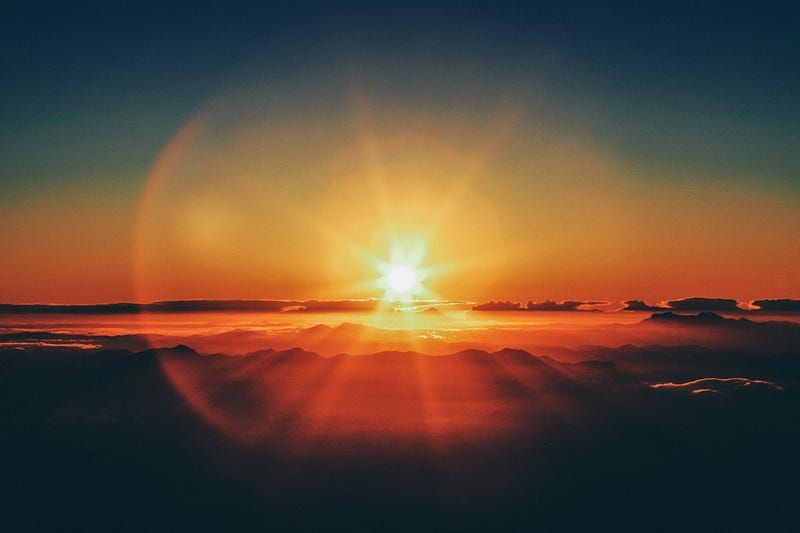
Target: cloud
point(641, 305)
point(320, 306)
point(567, 305)
point(705, 318)
point(718, 385)
point(92, 309)
point(187, 306)
point(491, 305)
point(783, 304)
point(176, 306)
point(546, 305)
point(704, 304)
point(32, 345)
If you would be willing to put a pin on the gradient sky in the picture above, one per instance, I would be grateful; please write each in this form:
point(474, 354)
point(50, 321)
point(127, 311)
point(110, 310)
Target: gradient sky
point(550, 151)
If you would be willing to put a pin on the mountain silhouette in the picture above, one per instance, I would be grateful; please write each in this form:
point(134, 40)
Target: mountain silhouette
point(289, 438)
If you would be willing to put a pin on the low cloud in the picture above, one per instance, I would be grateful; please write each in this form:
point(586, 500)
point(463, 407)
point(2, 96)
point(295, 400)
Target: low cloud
point(783, 304)
point(641, 305)
point(718, 385)
point(567, 305)
point(491, 305)
point(546, 305)
point(704, 304)
point(32, 345)
point(322, 306)
point(188, 306)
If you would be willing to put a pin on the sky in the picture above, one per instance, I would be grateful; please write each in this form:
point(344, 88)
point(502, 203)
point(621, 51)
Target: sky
point(298, 150)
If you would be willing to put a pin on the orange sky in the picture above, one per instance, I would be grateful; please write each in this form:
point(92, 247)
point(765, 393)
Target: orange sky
point(250, 201)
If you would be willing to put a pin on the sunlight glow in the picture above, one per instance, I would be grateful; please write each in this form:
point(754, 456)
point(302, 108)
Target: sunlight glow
point(401, 278)
point(399, 216)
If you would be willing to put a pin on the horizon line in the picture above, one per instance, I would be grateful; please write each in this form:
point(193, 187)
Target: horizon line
point(409, 305)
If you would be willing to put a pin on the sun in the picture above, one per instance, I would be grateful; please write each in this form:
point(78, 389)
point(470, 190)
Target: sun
point(401, 278)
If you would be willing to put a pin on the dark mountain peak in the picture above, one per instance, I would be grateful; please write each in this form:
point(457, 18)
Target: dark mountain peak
point(708, 316)
point(319, 328)
point(181, 350)
point(297, 352)
point(703, 318)
point(512, 351)
point(473, 355)
point(271, 357)
point(348, 331)
point(295, 355)
point(514, 355)
point(261, 353)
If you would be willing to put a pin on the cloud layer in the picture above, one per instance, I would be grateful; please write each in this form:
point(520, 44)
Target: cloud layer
point(783, 304)
point(704, 304)
point(718, 385)
point(545, 305)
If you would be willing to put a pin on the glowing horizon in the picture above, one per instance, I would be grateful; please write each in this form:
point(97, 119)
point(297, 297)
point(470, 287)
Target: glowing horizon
point(294, 183)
